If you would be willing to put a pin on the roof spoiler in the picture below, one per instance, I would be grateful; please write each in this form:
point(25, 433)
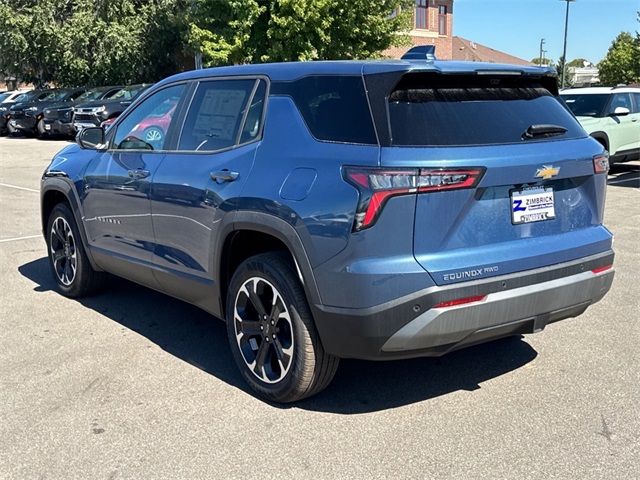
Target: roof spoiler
point(421, 52)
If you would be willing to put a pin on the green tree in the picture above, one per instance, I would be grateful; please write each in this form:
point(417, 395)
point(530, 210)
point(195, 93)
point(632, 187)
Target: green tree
point(90, 42)
point(545, 61)
point(622, 62)
point(237, 31)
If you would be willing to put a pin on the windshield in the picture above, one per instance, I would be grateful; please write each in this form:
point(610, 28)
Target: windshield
point(54, 96)
point(90, 95)
point(4, 96)
point(583, 105)
point(128, 93)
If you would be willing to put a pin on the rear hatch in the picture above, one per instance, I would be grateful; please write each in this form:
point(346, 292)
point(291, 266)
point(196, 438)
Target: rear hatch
point(537, 202)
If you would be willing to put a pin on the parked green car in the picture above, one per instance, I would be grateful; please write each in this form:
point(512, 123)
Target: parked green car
point(611, 115)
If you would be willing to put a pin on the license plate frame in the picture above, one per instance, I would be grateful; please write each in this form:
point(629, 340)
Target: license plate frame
point(532, 204)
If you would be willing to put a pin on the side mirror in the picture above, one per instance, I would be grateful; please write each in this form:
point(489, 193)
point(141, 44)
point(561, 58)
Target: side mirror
point(621, 111)
point(91, 138)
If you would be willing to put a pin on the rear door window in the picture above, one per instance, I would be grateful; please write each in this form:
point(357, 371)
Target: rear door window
point(438, 110)
point(217, 112)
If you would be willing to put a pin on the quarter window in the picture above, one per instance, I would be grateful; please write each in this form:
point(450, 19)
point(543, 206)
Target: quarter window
point(216, 114)
point(146, 127)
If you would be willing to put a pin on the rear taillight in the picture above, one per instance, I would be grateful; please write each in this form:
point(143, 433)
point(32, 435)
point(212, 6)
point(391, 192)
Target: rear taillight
point(601, 163)
point(377, 185)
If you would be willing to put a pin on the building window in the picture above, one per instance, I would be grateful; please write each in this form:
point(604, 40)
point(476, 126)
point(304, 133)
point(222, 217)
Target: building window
point(442, 20)
point(422, 19)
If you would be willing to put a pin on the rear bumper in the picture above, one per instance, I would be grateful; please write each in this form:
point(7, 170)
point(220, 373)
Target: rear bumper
point(514, 304)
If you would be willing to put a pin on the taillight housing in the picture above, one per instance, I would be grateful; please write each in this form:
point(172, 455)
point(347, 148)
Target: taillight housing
point(377, 185)
point(601, 163)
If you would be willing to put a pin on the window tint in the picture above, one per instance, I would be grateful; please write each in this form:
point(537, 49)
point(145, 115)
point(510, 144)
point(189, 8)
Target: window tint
point(636, 98)
point(468, 111)
point(215, 115)
point(334, 108)
point(587, 105)
point(146, 127)
point(253, 122)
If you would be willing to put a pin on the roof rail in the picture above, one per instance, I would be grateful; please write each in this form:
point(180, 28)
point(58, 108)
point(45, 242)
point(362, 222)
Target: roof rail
point(421, 52)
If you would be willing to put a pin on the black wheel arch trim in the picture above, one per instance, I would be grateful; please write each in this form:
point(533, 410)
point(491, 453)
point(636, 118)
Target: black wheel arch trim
point(271, 225)
point(60, 183)
point(600, 135)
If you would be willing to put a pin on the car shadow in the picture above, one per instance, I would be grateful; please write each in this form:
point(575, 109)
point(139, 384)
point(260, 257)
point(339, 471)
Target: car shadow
point(359, 386)
point(624, 175)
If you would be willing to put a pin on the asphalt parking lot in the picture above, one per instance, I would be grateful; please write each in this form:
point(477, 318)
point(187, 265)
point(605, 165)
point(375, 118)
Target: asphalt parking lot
point(132, 384)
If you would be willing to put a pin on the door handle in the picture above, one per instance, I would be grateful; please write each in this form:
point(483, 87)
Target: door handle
point(137, 174)
point(224, 176)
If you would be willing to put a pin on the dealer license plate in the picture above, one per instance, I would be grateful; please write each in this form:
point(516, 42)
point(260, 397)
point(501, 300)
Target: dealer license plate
point(532, 205)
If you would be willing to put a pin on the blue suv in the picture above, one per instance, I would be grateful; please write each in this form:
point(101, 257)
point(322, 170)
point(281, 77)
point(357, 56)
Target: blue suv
point(326, 210)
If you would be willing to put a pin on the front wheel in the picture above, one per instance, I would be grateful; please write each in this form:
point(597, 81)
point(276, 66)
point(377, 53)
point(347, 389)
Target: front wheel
point(67, 258)
point(271, 331)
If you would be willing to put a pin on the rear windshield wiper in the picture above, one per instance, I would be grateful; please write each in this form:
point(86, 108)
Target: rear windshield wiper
point(537, 131)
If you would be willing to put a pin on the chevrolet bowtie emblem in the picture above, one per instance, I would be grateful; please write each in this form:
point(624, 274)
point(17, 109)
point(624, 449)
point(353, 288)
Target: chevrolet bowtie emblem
point(547, 172)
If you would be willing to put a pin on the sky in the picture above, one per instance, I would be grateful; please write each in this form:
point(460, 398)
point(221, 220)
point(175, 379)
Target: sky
point(516, 26)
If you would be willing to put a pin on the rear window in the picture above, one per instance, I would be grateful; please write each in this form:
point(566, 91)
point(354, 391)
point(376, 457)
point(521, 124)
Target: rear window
point(438, 110)
point(334, 108)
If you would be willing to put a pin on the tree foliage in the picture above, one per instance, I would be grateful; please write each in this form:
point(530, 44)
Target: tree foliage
point(622, 62)
point(82, 42)
point(236, 31)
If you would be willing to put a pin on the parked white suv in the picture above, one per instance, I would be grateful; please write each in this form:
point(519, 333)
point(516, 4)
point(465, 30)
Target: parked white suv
point(611, 115)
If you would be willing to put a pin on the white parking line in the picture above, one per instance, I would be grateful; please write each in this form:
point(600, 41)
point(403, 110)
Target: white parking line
point(19, 188)
point(614, 182)
point(14, 239)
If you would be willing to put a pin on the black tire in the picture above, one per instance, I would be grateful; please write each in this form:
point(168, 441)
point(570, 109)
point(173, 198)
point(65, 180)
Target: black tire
point(84, 280)
point(40, 130)
point(309, 369)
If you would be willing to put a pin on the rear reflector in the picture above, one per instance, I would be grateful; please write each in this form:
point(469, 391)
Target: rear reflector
point(377, 185)
point(601, 163)
point(602, 269)
point(460, 301)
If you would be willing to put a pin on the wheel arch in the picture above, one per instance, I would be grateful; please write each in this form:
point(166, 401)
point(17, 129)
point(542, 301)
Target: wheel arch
point(603, 138)
point(254, 232)
point(54, 191)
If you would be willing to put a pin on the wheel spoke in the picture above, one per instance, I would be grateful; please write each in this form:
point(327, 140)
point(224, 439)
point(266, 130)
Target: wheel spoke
point(284, 356)
point(57, 255)
point(256, 302)
point(261, 357)
point(57, 232)
point(249, 328)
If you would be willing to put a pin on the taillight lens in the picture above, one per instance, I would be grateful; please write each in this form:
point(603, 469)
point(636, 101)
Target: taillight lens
point(601, 163)
point(377, 185)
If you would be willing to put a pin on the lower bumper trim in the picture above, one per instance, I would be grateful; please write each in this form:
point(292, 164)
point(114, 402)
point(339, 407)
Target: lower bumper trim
point(413, 326)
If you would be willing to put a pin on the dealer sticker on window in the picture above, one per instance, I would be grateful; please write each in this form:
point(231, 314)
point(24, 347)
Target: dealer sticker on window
point(532, 205)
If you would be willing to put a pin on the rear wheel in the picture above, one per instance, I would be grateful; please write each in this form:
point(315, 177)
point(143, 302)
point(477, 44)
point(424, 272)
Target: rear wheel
point(67, 258)
point(271, 331)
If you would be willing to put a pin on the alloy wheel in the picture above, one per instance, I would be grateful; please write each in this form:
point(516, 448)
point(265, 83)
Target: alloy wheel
point(263, 330)
point(63, 251)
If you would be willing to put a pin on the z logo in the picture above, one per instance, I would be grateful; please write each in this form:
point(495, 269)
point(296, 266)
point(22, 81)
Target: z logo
point(517, 206)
